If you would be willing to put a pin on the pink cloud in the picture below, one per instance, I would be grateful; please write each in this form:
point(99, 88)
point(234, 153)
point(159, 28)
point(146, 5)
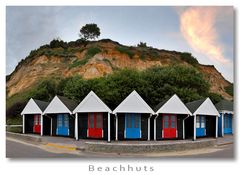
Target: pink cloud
point(197, 27)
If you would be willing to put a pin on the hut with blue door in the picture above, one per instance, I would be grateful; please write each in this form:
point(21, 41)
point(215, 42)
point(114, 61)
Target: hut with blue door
point(32, 118)
point(169, 122)
point(132, 118)
point(204, 120)
point(60, 111)
point(225, 122)
point(92, 118)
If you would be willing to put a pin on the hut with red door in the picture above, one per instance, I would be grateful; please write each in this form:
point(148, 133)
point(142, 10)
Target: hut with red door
point(92, 119)
point(169, 122)
point(33, 118)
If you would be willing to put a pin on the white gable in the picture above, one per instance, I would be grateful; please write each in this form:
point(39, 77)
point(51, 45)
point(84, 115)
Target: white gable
point(207, 108)
point(31, 108)
point(174, 106)
point(92, 103)
point(56, 106)
point(133, 104)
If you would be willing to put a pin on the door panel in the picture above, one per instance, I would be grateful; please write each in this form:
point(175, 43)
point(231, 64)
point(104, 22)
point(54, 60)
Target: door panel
point(200, 126)
point(132, 126)
point(169, 126)
point(37, 124)
point(95, 125)
point(227, 124)
point(63, 124)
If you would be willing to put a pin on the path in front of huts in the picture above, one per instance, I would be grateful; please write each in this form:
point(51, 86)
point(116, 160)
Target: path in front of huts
point(63, 148)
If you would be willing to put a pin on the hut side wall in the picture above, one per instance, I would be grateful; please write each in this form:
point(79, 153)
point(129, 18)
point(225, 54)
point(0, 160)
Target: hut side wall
point(105, 126)
point(152, 127)
point(121, 126)
point(71, 126)
point(159, 127)
point(210, 126)
point(29, 123)
point(180, 125)
point(189, 127)
point(220, 125)
point(144, 126)
point(112, 127)
point(46, 125)
point(82, 125)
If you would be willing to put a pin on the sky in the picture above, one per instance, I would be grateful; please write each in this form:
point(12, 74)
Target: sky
point(206, 32)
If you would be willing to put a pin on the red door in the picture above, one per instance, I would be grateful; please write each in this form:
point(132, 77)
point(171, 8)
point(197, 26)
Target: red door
point(95, 125)
point(37, 124)
point(169, 126)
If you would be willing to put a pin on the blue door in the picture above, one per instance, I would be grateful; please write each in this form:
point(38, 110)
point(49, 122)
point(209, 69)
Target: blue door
point(62, 125)
point(227, 123)
point(132, 126)
point(201, 126)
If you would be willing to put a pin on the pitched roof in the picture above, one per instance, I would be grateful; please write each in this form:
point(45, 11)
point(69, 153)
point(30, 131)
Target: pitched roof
point(173, 105)
point(161, 104)
point(60, 104)
point(194, 105)
point(70, 104)
point(224, 105)
point(133, 103)
point(41, 104)
point(34, 107)
point(92, 103)
point(202, 107)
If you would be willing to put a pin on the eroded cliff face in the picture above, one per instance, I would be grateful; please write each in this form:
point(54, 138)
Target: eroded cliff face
point(216, 80)
point(111, 57)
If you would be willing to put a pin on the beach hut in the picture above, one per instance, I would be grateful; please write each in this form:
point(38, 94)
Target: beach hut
point(225, 122)
point(60, 111)
point(204, 120)
point(92, 118)
point(169, 122)
point(133, 118)
point(33, 117)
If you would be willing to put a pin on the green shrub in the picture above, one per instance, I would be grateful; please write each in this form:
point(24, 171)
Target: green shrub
point(142, 44)
point(78, 63)
point(125, 50)
point(91, 52)
point(229, 89)
point(142, 56)
point(14, 129)
point(215, 98)
point(154, 54)
point(185, 56)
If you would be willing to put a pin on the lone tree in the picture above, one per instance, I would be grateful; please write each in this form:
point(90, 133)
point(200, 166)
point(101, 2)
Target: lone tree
point(90, 31)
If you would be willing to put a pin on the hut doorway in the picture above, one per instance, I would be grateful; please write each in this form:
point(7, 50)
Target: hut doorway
point(132, 126)
point(227, 123)
point(200, 126)
point(37, 123)
point(169, 126)
point(95, 125)
point(63, 124)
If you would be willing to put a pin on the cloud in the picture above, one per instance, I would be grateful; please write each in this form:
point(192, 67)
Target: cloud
point(197, 25)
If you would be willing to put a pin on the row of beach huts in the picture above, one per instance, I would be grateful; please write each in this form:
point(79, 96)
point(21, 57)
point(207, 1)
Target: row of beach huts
point(132, 119)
